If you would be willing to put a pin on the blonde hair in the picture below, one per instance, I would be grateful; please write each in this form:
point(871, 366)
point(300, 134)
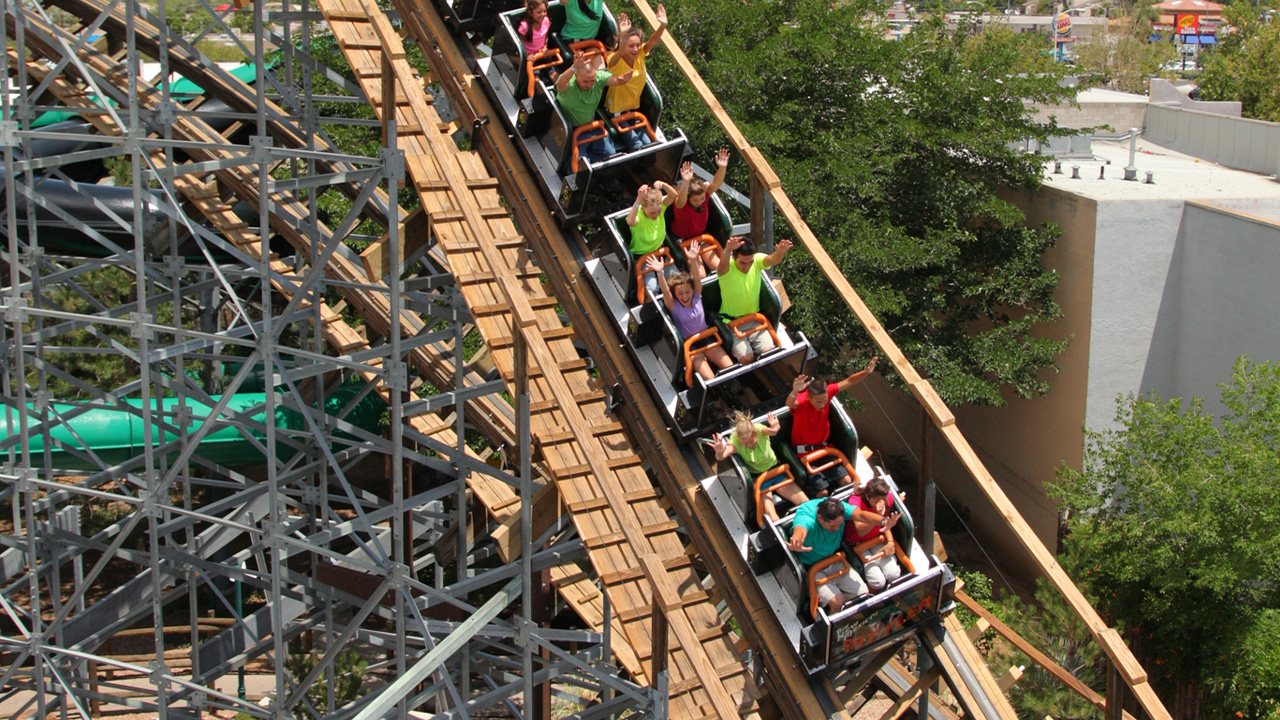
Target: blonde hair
point(677, 279)
point(743, 427)
point(653, 194)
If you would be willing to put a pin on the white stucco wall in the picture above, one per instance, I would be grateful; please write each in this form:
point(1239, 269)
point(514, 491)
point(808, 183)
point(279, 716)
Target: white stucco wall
point(1133, 252)
point(1228, 294)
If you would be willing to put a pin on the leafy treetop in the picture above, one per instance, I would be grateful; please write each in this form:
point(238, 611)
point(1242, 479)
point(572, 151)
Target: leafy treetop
point(1246, 64)
point(902, 158)
point(1175, 525)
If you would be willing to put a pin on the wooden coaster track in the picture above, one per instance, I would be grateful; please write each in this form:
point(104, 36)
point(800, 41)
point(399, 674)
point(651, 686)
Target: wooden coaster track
point(617, 511)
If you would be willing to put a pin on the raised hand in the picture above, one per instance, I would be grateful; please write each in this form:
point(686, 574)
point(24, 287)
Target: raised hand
point(722, 447)
point(784, 246)
point(871, 366)
point(640, 194)
point(580, 62)
point(772, 422)
point(691, 252)
point(654, 264)
point(624, 24)
point(722, 158)
point(686, 173)
point(734, 243)
point(800, 383)
point(662, 14)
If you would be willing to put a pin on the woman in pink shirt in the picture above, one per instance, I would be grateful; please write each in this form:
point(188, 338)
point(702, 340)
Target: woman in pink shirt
point(875, 501)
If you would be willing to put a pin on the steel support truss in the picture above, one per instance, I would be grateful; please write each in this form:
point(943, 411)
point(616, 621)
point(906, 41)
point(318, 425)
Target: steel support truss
point(208, 531)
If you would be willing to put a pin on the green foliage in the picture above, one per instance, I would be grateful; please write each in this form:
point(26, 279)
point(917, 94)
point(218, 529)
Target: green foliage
point(1252, 680)
point(219, 52)
point(1125, 58)
point(349, 139)
point(894, 153)
point(112, 287)
point(1246, 64)
point(1174, 520)
point(187, 18)
point(977, 586)
point(1052, 627)
point(348, 680)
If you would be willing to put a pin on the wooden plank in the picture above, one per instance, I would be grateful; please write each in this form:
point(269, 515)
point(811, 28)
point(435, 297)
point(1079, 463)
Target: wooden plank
point(979, 667)
point(1009, 678)
point(905, 700)
point(951, 673)
point(413, 235)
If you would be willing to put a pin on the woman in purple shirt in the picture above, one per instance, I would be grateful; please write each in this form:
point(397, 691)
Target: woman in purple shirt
point(682, 294)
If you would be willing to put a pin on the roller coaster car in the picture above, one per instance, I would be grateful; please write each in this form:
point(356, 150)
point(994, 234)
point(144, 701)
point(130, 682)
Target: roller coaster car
point(551, 144)
point(693, 404)
point(745, 488)
point(475, 15)
point(926, 590)
point(619, 243)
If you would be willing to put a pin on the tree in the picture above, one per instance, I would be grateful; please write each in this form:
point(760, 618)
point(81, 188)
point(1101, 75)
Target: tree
point(1051, 626)
point(1246, 64)
point(896, 154)
point(1126, 58)
point(1175, 526)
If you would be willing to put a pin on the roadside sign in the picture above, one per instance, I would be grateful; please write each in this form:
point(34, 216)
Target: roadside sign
point(1062, 25)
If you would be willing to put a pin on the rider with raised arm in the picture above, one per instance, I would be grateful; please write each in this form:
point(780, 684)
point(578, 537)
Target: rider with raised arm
point(810, 407)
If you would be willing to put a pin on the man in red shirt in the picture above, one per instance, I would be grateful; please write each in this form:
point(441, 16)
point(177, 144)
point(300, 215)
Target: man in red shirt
point(810, 407)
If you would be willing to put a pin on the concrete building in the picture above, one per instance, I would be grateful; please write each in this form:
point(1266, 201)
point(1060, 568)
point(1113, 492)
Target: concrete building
point(1163, 285)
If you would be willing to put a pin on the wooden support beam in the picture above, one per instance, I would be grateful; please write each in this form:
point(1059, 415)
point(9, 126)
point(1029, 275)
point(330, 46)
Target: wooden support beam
point(904, 701)
point(978, 629)
point(1009, 678)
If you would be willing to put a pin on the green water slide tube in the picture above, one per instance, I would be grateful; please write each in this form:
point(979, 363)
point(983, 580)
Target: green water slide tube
point(116, 435)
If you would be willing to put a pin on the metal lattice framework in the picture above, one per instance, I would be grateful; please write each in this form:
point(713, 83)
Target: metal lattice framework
point(202, 406)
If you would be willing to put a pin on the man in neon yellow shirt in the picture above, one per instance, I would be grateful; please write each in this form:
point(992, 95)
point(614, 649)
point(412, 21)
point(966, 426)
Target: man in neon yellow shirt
point(741, 272)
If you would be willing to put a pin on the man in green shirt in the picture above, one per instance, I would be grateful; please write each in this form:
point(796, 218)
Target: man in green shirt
point(578, 90)
point(815, 536)
point(741, 272)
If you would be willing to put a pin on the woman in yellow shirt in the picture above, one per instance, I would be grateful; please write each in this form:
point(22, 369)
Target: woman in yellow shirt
point(629, 57)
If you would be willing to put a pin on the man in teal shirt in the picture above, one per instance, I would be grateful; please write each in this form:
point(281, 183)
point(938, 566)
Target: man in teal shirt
point(815, 536)
point(578, 90)
point(741, 273)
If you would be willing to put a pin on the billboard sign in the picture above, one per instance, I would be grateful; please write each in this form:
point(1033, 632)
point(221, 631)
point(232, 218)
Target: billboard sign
point(1188, 24)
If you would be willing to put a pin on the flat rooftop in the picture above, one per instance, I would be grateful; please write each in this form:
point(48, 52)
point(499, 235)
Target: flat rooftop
point(1102, 95)
point(1177, 177)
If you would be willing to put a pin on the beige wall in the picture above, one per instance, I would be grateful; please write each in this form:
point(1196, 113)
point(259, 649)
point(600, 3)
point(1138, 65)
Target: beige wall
point(1024, 442)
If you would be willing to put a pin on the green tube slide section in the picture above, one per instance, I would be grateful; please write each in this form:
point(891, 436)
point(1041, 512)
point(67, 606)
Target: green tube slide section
point(116, 435)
